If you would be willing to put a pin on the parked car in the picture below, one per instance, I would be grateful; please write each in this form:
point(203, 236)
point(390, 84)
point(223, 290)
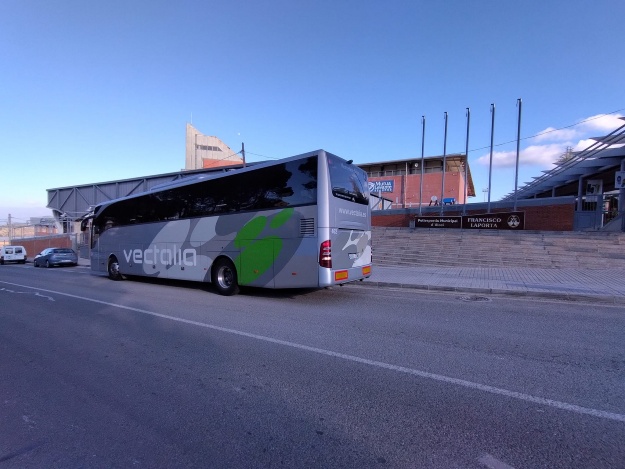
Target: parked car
point(12, 254)
point(56, 256)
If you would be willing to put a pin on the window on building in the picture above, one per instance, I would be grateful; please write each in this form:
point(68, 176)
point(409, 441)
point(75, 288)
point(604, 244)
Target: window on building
point(207, 148)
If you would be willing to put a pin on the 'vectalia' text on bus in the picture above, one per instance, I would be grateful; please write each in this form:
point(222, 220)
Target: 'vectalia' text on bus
point(154, 255)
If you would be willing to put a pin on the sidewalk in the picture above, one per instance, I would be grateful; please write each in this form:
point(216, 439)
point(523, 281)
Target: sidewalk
point(556, 284)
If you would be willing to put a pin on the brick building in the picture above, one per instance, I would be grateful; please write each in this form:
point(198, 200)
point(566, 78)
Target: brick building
point(400, 180)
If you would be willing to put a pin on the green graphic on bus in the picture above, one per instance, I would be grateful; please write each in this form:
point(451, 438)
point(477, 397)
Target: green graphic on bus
point(258, 255)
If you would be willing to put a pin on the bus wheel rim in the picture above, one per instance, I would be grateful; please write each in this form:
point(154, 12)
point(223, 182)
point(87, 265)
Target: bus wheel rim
point(225, 277)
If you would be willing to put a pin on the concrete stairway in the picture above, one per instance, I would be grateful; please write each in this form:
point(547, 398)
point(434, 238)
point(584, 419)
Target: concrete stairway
point(490, 248)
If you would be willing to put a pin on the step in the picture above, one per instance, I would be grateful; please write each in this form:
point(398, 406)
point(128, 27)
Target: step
point(535, 249)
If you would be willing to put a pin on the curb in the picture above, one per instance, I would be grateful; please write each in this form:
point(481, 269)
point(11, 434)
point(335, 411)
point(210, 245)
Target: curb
point(559, 296)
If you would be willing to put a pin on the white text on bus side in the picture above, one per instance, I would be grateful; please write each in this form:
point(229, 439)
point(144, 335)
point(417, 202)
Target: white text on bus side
point(174, 256)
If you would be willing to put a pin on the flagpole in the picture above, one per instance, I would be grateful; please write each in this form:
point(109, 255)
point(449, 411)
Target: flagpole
point(444, 164)
point(422, 163)
point(490, 166)
point(518, 144)
point(466, 165)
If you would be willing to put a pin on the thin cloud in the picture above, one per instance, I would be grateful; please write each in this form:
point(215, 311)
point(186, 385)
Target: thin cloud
point(551, 134)
point(556, 143)
point(534, 155)
point(593, 126)
point(583, 144)
point(602, 123)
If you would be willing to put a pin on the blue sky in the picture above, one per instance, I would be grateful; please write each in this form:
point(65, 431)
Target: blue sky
point(97, 91)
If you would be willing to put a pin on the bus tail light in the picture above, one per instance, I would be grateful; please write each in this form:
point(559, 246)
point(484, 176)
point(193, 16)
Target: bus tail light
point(366, 270)
point(325, 254)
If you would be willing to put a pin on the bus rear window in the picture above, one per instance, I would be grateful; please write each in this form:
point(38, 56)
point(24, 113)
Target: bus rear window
point(348, 181)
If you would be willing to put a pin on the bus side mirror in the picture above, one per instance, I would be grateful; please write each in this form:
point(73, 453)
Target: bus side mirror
point(84, 224)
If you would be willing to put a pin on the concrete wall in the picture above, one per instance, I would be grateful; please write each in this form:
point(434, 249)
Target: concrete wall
point(35, 245)
point(198, 156)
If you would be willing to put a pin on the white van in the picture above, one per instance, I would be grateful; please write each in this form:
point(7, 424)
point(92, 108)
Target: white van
point(12, 254)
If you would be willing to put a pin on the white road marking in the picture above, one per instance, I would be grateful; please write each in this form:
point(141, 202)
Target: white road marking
point(387, 366)
point(493, 463)
point(27, 293)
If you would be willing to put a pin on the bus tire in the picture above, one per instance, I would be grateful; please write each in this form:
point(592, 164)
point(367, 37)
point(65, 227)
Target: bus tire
point(113, 269)
point(224, 277)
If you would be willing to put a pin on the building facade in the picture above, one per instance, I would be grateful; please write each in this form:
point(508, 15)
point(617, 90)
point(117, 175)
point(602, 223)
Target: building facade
point(413, 182)
point(205, 151)
point(35, 226)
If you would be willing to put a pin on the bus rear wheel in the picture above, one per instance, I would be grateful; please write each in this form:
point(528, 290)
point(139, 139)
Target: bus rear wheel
point(224, 277)
point(113, 269)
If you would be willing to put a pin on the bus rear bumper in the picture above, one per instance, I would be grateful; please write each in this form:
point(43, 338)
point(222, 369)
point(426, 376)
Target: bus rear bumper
point(331, 277)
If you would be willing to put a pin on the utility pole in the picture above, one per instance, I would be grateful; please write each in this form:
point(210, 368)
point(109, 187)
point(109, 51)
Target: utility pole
point(243, 152)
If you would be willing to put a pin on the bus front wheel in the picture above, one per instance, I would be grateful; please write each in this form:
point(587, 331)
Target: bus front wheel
point(224, 277)
point(113, 269)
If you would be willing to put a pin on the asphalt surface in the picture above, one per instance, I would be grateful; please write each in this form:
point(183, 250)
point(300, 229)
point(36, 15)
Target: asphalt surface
point(164, 374)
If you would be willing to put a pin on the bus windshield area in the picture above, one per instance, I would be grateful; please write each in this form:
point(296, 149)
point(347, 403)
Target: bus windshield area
point(348, 181)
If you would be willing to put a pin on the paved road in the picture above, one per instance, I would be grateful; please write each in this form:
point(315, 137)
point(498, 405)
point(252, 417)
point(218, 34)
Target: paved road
point(99, 374)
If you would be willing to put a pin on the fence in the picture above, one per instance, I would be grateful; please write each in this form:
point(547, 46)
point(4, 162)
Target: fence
point(596, 212)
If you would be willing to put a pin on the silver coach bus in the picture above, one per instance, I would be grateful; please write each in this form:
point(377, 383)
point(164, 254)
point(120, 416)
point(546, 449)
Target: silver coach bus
point(299, 222)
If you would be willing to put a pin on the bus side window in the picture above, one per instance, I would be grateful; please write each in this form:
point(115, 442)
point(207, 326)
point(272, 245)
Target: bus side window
point(109, 223)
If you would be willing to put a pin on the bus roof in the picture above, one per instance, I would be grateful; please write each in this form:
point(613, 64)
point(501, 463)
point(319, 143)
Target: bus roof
point(208, 176)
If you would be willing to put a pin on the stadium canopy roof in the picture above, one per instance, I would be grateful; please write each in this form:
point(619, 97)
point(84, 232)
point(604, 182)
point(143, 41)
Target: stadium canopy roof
point(74, 202)
point(598, 161)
